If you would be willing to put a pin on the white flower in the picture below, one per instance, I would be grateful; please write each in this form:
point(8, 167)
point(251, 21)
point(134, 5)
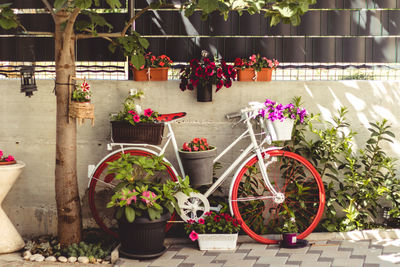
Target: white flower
point(138, 109)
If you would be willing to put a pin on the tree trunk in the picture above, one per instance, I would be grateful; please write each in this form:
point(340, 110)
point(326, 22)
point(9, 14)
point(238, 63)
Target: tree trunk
point(67, 193)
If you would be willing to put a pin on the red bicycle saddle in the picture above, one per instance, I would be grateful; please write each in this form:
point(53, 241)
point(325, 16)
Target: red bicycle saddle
point(170, 117)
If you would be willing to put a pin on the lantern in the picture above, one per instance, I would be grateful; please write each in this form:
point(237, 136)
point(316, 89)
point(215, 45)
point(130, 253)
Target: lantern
point(28, 82)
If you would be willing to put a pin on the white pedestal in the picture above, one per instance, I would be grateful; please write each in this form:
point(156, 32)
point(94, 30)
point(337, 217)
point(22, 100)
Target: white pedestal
point(10, 239)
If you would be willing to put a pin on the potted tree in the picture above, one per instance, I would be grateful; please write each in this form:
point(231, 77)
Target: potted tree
point(197, 159)
point(255, 68)
point(143, 204)
point(133, 124)
point(204, 73)
point(215, 231)
point(154, 69)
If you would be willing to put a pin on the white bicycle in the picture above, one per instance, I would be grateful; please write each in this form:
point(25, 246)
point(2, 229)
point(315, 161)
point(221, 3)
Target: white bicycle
point(268, 184)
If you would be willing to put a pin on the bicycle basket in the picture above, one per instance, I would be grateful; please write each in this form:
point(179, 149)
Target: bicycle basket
point(279, 130)
point(144, 132)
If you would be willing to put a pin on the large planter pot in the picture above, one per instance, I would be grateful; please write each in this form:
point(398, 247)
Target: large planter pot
point(251, 75)
point(198, 166)
point(144, 132)
point(143, 238)
point(217, 241)
point(151, 74)
point(280, 130)
point(204, 92)
point(10, 240)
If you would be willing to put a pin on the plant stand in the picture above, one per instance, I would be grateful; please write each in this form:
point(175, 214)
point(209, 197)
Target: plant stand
point(10, 240)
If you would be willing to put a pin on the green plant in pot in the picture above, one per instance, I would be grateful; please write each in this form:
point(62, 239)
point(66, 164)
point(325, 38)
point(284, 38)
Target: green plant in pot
point(143, 204)
point(289, 229)
point(197, 159)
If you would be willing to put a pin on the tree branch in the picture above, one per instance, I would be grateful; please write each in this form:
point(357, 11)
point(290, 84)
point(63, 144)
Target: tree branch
point(130, 22)
point(50, 8)
point(69, 28)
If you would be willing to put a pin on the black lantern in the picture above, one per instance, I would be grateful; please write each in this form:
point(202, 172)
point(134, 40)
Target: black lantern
point(28, 82)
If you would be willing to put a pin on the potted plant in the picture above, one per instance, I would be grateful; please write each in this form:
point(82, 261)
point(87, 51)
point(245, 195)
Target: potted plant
point(255, 68)
point(197, 159)
point(204, 73)
point(133, 124)
point(143, 204)
point(215, 231)
point(80, 106)
point(279, 119)
point(289, 232)
point(154, 69)
point(10, 170)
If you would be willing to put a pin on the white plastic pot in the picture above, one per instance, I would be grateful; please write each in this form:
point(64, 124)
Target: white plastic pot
point(280, 130)
point(217, 241)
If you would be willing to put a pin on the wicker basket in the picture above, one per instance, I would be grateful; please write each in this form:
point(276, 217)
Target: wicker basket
point(144, 132)
point(81, 111)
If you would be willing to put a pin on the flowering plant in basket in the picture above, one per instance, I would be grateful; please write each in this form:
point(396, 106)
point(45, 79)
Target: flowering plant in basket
point(212, 223)
point(134, 113)
point(197, 144)
point(4, 158)
point(206, 71)
point(82, 94)
point(275, 111)
point(152, 61)
point(256, 62)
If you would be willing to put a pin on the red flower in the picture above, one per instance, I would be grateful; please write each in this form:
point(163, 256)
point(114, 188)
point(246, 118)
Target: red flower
point(220, 83)
point(201, 221)
point(148, 112)
point(238, 62)
point(219, 73)
point(193, 236)
point(217, 218)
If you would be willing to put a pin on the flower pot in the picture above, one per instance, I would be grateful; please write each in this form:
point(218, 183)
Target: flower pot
point(10, 240)
point(81, 111)
point(249, 75)
point(217, 241)
point(198, 165)
point(204, 92)
point(143, 132)
point(280, 130)
point(289, 239)
point(143, 238)
point(151, 74)
point(8, 162)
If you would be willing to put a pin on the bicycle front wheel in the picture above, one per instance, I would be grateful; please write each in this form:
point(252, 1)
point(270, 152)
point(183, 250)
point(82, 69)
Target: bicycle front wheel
point(261, 214)
point(102, 184)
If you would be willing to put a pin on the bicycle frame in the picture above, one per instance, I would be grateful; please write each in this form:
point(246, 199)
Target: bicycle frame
point(253, 146)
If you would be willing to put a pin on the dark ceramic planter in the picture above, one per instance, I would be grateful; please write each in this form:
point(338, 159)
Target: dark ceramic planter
point(142, 239)
point(198, 166)
point(289, 239)
point(204, 92)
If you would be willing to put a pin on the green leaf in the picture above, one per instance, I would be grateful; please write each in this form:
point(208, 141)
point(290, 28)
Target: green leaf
point(138, 61)
point(83, 4)
point(130, 214)
point(144, 42)
point(275, 19)
point(59, 4)
point(208, 6)
point(114, 3)
point(119, 213)
point(155, 5)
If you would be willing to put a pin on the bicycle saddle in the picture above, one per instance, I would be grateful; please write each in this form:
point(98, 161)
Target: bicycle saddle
point(170, 117)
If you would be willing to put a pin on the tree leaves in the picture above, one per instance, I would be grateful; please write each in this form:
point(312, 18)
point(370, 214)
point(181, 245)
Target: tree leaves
point(83, 4)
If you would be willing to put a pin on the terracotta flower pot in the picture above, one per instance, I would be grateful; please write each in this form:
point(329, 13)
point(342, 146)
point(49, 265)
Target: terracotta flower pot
point(151, 74)
point(249, 75)
point(7, 162)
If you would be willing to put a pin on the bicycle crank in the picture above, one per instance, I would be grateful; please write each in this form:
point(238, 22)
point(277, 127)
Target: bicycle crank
point(193, 206)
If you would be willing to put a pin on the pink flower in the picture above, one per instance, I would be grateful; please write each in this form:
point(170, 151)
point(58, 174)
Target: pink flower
point(193, 236)
point(148, 197)
point(190, 221)
point(201, 221)
point(148, 112)
point(132, 112)
point(1, 154)
point(276, 63)
point(129, 200)
point(185, 147)
point(195, 148)
point(10, 158)
point(136, 118)
point(270, 64)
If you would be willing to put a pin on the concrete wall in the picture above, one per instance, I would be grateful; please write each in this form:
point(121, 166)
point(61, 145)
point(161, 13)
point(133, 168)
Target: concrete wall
point(28, 127)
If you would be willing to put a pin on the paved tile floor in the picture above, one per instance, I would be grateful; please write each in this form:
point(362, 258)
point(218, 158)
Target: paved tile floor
point(365, 253)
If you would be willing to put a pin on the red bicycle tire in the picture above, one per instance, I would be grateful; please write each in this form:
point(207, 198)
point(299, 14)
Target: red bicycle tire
point(320, 196)
point(96, 174)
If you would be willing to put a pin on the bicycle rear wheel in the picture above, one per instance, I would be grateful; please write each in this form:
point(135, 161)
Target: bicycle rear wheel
point(290, 174)
point(102, 184)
